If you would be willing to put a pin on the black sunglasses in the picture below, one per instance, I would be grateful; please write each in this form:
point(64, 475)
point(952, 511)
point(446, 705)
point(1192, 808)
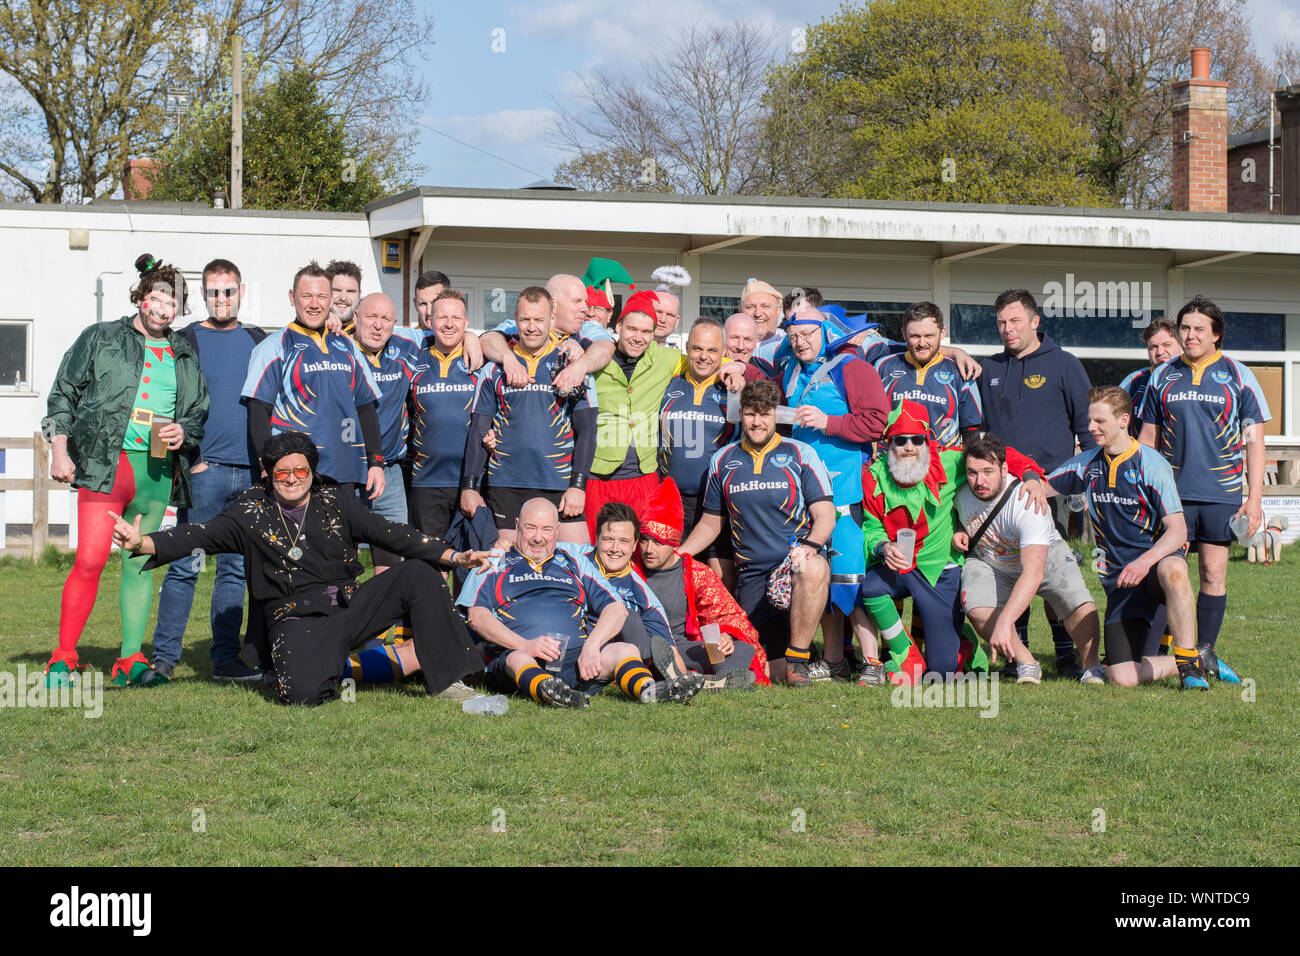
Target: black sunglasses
point(901, 440)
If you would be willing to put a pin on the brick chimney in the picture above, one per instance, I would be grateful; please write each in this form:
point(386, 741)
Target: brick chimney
point(136, 181)
point(1201, 139)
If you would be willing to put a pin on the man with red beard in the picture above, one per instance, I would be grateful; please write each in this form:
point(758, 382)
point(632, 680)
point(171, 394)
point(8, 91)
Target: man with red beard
point(913, 488)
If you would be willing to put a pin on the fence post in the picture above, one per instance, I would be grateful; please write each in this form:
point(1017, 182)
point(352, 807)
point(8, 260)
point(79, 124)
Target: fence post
point(40, 495)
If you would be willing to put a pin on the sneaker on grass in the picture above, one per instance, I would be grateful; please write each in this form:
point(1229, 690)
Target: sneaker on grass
point(1030, 672)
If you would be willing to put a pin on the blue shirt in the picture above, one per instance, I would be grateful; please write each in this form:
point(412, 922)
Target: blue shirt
point(952, 403)
point(1199, 414)
point(223, 359)
point(634, 592)
point(441, 402)
point(392, 373)
point(534, 428)
point(693, 426)
point(562, 595)
point(766, 495)
point(1128, 498)
point(315, 384)
point(1135, 383)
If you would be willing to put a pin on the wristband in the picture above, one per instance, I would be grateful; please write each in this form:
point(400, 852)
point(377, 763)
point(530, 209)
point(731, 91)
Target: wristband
point(579, 482)
point(468, 483)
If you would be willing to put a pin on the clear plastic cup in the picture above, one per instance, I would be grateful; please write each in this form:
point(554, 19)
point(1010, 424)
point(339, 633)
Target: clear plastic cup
point(1076, 503)
point(784, 415)
point(711, 634)
point(496, 705)
point(1240, 526)
point(554, 665)
point(906, 543)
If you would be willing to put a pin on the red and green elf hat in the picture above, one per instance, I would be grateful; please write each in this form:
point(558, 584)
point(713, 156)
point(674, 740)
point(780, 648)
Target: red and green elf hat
point(909, 418)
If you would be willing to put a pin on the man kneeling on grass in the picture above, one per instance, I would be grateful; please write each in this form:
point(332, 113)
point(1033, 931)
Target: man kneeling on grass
point(1130, 495)
point(299, 538)
point(1017, 553)
point(534, 611)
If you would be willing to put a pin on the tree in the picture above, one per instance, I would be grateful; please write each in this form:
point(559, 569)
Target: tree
point(296, 154)
point(87, 84)
point(934, 100)
point(686, 122)
point(1123, 56)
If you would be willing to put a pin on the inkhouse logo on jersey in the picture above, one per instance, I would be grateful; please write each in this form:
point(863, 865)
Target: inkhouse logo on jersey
point(75, 909)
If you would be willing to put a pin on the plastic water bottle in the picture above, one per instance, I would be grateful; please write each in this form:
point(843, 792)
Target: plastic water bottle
point(496, 705)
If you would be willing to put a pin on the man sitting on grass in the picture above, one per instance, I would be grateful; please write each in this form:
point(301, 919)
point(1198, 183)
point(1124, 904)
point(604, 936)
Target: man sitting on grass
point(299, 539)
point(1130, 495)
point(538, 593)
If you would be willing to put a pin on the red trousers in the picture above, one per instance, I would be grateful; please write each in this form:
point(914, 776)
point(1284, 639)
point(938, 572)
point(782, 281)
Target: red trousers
point(636, 492)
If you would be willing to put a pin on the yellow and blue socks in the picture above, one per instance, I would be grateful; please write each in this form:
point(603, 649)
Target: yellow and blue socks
point(632, 676)
point(529, 678)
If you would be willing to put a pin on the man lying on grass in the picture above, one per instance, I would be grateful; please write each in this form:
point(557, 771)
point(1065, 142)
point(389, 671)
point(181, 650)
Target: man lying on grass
point(299, 540)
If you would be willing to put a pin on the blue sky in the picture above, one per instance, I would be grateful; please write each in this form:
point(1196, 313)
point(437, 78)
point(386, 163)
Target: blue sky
point(502, 100)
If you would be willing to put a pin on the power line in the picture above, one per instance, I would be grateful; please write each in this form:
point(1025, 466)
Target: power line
point(483, 151)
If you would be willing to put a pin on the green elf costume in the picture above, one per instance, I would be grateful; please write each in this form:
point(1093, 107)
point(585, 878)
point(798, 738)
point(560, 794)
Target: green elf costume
point(933, 580)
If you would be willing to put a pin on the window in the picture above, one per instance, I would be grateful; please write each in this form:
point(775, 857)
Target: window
point(15, 356)
point(978, 325)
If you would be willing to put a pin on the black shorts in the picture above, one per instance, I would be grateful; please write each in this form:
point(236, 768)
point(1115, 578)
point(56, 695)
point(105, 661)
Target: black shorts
point(506, 503)
point(1207, 521)
point(1130, 640)
point(693, 509)
point(1136, 603)
point(432, 509)
point(772, 623)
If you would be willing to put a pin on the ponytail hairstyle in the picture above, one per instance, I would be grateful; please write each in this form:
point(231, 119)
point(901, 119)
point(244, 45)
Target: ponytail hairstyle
point(158, 275)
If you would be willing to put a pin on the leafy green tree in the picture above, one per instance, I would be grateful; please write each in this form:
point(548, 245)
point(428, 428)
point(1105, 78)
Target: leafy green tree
point(929, 100)
point(297, 155)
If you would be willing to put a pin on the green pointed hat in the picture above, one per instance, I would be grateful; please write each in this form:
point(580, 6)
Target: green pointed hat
point(600, 271)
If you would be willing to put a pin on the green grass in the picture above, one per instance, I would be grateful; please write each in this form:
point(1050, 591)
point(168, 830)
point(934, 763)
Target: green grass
point(395, 778)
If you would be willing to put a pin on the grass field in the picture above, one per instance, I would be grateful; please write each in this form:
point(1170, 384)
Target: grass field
point(200, 773)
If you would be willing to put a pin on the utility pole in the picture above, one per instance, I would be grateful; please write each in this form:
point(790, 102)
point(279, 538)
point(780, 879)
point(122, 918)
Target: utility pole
point(237, 124)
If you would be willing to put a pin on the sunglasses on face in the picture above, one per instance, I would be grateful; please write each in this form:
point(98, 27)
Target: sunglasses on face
point(282, 474)
point(220, 293)
point(901, 441)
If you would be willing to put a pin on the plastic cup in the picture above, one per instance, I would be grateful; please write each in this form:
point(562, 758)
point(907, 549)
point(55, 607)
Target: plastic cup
point(554, 665)
point(1076, 503)
point(711, 634)
point(1240, 526)
point(906, 543)
point(784, 415)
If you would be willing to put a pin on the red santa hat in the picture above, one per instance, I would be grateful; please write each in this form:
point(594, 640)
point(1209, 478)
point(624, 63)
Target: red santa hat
point(909, 418)
point(662, 518)
point(643, 301)
point(598, 297)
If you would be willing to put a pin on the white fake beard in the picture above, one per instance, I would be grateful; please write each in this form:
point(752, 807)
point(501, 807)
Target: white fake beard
point(911, 472)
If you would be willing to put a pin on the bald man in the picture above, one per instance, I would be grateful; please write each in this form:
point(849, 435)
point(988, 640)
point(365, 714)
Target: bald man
point(668, 313)
point(390, 358)
point(590, 346)
point(741, 337)
point(541, 594)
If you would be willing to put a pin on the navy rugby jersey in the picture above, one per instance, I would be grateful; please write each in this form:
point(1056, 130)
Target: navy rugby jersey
point(766, 494)
point(1135, 383)
point(951, 402)
point(693, 426)
point(561, 595)
point(535, 432)
point(314, 383)
point(634, 592)
point(392, 373)
point(1200, 413)
point(1128, 498)
point(441, 402)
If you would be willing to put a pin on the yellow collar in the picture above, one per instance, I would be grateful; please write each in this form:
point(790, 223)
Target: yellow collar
point(610, 574)
point(922, 369)
point(1119, 459)
point(316, 335)
point(372, 357)
point(1198, 370)
point(444, 361)
point(760, 453)
point(532, 361)
point(700, 386)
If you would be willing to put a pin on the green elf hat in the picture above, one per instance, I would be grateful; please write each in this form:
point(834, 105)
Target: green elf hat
point(601, 272)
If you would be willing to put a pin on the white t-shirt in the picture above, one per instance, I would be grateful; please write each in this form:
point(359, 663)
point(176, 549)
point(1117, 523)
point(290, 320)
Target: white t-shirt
point(1015, 526)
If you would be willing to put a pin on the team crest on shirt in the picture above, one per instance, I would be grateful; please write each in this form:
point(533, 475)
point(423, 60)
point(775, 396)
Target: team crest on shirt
point(1223, 378)
point(945, 378)
point(340, 344)
point(1131, 475)
point(781, 460)
point(1036, 381)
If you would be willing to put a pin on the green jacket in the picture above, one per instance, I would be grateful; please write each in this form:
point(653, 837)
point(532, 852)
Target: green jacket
point(91, 398)
point(629, 411)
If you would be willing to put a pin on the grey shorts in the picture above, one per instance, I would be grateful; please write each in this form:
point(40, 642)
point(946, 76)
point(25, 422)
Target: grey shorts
point(1062, 587)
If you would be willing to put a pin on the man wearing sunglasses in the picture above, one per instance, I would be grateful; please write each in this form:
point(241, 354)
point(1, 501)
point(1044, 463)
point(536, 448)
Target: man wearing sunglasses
point(299, 540)
point(912, 489)
point(220, 471)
